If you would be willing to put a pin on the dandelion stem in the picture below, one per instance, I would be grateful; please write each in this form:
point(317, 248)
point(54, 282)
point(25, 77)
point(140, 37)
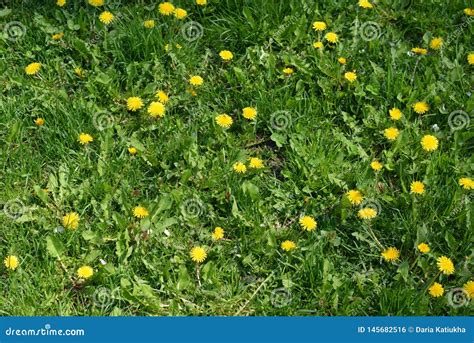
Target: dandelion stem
point(253, 295)
point(375, 237)
point(198, 275)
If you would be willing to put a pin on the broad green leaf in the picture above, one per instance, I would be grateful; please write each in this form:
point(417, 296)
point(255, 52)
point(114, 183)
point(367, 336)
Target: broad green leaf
point(54, 246)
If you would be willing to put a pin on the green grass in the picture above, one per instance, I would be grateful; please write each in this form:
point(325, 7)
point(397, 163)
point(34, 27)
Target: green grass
point(331, 132)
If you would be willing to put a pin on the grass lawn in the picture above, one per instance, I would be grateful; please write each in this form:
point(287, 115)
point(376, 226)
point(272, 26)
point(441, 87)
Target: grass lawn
point(237, 157)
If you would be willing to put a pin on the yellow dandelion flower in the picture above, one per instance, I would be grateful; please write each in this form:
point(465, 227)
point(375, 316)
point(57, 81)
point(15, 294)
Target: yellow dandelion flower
point(255, 163)
point(33, 68)
point(149, 24)
point(354, 196)
point(106, 17)
point(466, 183)
point(198, 254)
point(11, 262)
point(436, 43)
point(421, 107)
point(224, 120)
point(140, 212)
point(395, 114)
point(318, 45)
point(417, 187)
point(85, 138)
point(71, 220)
point(390, 254)
point(445, 265)
point(367, 213)
point(319, 25)
point(331, 37)
point(201, 2)
point(132, 150)
point(342, 60)
point(218, 233)
point(350, 76)
point(96, 3)
point(436, 290)
point(249, 113)
point(365, 4)
point(85, 272)
point(391, 133)
point(156, 109)
point(239, 167)
point(79, 71)
point(226, 55)
point(166, 8)
point(162, 96)
point(469, 11)
point(180, 13)
point(39, 121)
point(288, 245)
point(429, 143)
point(470, 58)
point(469, 288)
point(419, 51)
point(423, 248)
point(288, 71)
point(57, 36)
point(134, 103)
point(196, 80)
point(376, 165)
point(308, 223)
point(61, 3)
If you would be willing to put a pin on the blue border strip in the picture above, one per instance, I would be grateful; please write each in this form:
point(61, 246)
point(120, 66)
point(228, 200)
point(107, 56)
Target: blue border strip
point(237, 329)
